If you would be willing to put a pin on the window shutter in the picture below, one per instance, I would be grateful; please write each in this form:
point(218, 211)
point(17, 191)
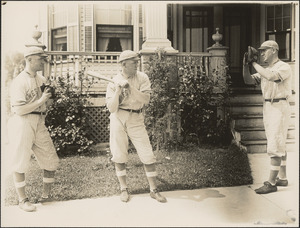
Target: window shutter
point(88, 27)
point(72, 34)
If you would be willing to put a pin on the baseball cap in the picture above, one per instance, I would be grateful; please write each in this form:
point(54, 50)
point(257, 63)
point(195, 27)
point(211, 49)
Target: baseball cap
point(269, 44)
point(129, 55)
point(34, 51)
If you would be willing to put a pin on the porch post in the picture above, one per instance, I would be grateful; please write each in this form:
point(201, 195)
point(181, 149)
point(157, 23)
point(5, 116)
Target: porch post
point(218, 68)
point(156, 28)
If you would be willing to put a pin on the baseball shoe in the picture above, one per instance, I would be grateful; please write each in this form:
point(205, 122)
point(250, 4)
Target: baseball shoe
point(280, 182)
point(266, 188)
point(125, 195)
point(26, 205)
point(47, 199)
point(156, 195)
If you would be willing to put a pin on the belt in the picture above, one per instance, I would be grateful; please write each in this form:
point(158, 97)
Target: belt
point(275, 99)
point(38, 113)
point(132, 110)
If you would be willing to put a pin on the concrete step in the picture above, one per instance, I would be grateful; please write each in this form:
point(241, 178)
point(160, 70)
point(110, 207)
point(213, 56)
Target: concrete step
point(245, 134)
point(252, 99)
point(251, 108)
point(253, 120)
point(260, 146)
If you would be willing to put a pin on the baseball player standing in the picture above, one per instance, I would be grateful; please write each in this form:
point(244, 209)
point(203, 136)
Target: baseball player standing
point(125, 99)
point(26, 127)
point(275, 82)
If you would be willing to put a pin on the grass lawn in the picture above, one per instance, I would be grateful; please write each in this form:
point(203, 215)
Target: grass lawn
point(93, 175)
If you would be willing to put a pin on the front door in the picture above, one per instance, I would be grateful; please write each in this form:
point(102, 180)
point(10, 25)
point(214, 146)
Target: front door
point(237, 36)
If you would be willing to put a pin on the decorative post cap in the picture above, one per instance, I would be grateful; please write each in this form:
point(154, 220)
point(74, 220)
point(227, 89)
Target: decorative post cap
point(36, 35)
point(217, 37)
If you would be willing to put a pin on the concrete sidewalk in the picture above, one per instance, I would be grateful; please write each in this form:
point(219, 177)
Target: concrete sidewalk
point(227, 207)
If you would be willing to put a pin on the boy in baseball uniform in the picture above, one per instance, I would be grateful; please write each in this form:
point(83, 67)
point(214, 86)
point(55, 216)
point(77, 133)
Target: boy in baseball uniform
point(125, 99)
point(26, 127)
point(275, 82)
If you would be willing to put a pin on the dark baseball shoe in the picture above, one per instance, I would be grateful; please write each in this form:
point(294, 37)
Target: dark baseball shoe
point(280, 182)
point(266, 188)
point(125, 196)
point(25, 205)
point(156, 195)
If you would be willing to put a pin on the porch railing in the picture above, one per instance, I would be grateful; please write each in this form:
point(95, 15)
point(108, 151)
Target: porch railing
point(68, 65)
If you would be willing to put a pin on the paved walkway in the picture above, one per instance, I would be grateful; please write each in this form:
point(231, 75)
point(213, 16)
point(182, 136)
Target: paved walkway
point(226, 207)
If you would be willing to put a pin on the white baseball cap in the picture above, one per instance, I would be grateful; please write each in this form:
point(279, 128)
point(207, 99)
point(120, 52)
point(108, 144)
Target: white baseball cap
point(269, 44)
point(34, 51)
point(129, 55)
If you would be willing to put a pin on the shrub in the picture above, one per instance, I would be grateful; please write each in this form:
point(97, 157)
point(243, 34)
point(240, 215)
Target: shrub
point(157, 115)
point(67, 117)
point(195, 99)
point(199, 97)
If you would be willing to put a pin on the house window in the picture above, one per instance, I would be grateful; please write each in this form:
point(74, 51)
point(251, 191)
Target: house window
point(279, 28)
point(114, 38)
point(198, 28)
point(59, 39)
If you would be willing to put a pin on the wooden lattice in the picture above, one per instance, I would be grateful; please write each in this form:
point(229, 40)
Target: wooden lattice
point(98, 122)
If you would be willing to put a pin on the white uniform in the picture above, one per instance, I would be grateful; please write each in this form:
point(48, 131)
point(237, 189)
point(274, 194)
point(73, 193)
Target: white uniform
point(276, 114)
point(124, 124)
point(28, 132)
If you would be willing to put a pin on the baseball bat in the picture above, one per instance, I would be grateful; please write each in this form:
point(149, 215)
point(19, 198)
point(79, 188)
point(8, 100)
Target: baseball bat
point(102, 77)
point(97, 75)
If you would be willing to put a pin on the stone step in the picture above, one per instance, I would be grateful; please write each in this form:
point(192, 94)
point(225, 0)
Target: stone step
point(260, 146)
point(255, 120)
point(245, 134)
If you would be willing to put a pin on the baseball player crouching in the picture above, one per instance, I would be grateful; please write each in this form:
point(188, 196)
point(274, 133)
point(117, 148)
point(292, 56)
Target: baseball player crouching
point(26, 127)
point(125, 99)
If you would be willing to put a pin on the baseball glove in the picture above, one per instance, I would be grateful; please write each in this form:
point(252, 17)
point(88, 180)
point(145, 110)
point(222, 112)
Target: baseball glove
point(250, 56)
point(51, 90)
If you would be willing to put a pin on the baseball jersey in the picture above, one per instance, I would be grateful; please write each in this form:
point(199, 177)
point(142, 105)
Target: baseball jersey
point(25, 89)
point(279, 89)
point(140, 81)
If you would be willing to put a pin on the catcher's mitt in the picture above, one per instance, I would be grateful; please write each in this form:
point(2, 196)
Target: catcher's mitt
point(250, 56)
point(51, 90)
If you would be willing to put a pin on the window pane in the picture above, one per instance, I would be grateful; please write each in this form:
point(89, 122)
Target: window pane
point(286, 10)
point(286, 23)
point(278, 11)
point(270, 12)
point(283, 40)
point(114, 38)
point(59, 39)
point(270, 25)
point(278, 24)
point(187, 25)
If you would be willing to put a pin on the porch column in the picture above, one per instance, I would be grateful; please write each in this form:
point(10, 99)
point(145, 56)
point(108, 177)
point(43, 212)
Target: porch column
point(156, 28)
point(218, 69)
point(218, 61)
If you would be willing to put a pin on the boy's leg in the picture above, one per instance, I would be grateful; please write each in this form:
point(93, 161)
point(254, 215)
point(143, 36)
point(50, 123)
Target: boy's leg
point(48, 180)
point(281, 180)
point(151, 176)
point(270, 185)
point(19, 181)
point(121, 174)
